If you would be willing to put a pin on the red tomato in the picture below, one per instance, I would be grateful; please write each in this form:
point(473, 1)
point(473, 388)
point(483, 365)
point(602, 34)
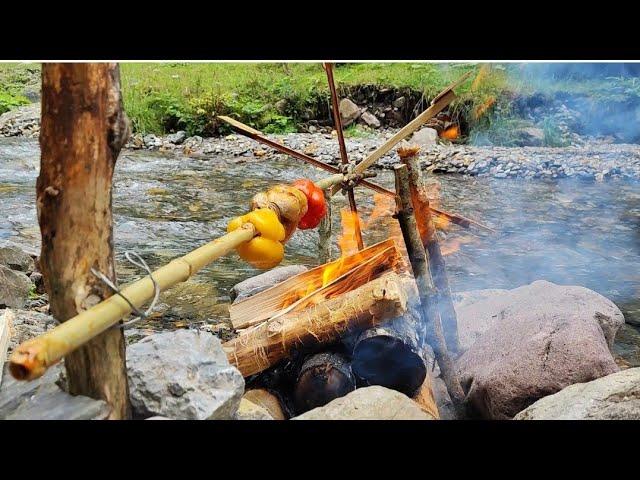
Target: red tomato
point(316, 204)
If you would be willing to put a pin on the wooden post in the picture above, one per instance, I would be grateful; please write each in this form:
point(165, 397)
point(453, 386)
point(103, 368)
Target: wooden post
point(83, 129)
point(427, 294)
point(324, 233)
point(429, 237)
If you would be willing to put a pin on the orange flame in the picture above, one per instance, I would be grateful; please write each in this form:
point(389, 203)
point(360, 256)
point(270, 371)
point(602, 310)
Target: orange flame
point(450, 133)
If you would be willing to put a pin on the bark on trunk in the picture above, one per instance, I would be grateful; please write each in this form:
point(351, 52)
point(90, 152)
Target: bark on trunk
point(83, 128)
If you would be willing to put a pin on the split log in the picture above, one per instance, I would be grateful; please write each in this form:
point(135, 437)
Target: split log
point(428, 297)
point(429, 237)
point(259, 347)
point(83, 130)
point(273, 301)
point(323, 377)
point(426, 399)
point(267, 400)
point(324, 233)
point(390, 355)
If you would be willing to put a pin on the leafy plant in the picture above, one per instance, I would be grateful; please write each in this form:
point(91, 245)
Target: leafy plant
point(9, 101)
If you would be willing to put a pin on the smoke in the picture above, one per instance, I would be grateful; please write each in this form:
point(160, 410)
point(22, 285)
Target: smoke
point(591, 99)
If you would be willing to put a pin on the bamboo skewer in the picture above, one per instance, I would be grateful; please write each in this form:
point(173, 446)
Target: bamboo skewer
point(32, 358)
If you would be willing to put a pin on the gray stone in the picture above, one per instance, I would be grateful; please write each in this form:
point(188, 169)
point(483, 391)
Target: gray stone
point(531, 342)
point(265, 280)
point(183, 375)
point(14, 288)
point(12, 256)
point(28, 324)
point(399, 102)
point(530, 136)
point(21, 121)
point(370, 119)
point(177, 138)
point(425, 137)
point(42, 399)
point(614, 397)
point(349, 112)
point(370, 403)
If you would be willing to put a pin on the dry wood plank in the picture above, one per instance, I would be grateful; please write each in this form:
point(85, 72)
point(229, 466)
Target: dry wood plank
point(426, 399)
point(259, 347)
point(269, 302)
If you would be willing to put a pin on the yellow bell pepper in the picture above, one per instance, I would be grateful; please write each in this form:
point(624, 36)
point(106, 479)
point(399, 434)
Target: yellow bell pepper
point(266, 250)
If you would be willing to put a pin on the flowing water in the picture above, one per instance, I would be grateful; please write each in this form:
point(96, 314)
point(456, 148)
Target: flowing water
point(165, 205)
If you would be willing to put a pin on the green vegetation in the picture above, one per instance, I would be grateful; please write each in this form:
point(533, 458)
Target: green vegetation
point(13, 79)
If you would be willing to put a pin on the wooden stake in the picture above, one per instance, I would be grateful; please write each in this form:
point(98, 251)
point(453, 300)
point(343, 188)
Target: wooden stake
point(429, 238)
point(427, 294)
point(324, 233)
point(83, 129)
point(6, 326)
point(262, 346)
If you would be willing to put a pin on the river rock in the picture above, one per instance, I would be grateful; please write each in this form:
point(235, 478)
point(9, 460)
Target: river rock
point(183, 375)
point(21, 121)
point(177, 138)
point(479, 310)
point(42, 399)
point(614, 397)
point(425, 137)
point(530, 136)
point(14, 288)
point(370, 119)
point(265, 280)
point(531, 342)
point(370, 403)
point(12, 256)
point(349, 112)
point(28, 324)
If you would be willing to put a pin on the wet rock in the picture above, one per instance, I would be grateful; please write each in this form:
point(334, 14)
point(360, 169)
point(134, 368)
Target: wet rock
point(14, 288)
point(42, 399)
point(151, 141)
point(177, 138)
point(349, 112)
point(265, 280)
point(38, 280)
point(28, 324)
point(370, 403)
point(425, 137)
point(12, 256)
point(184, 375)
point(370, 119)
point(614, 397)
point(531, 342)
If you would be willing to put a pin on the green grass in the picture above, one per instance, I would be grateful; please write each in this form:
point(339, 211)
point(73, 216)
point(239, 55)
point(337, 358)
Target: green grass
point(13, 79)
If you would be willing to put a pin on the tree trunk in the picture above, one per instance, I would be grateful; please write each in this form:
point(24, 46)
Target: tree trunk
point(83, 128)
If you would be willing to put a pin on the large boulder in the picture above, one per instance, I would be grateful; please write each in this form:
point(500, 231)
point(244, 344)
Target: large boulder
point(183, 375)
point(14, 288)
point(42, 399)
point(370, 403)
point(12, 256)
point(533, 341)
point(349, 112)
point(614, 397)
point(265, 280)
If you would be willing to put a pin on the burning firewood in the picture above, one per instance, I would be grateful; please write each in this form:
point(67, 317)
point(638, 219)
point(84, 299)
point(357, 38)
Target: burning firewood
point(323, 377)
point(390, 355)
point(262, 346)
point(323, 281)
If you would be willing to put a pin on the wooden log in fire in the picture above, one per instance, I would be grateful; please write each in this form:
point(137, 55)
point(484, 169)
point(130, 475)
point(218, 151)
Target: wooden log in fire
point(390, 355)
point(261, 346)
point(323, 377)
